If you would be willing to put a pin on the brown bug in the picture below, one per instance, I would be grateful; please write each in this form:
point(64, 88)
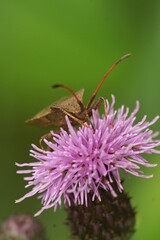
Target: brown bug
point(72, 106)
point(54, 114)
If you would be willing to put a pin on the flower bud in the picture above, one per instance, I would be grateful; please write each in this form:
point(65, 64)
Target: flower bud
point(112, 218)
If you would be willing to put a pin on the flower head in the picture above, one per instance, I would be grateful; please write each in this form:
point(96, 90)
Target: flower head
point(87, 159)
point(22, 227)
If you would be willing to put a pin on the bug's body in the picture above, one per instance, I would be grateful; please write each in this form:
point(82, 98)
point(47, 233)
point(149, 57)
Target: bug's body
point(54, 115)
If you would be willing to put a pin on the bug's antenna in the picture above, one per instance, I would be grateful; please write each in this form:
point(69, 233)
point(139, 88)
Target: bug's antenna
point(72, 92)
point(105, 76)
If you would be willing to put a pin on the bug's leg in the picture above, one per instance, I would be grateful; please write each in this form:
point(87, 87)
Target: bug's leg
point(95, 105)
point(105, 106)
point(88, 119)
point(47, 136)
point(105, 110)
point(74, 118)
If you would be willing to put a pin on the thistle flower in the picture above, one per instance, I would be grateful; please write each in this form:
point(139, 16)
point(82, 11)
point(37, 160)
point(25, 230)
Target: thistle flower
point(22, 227)
point(87, 159)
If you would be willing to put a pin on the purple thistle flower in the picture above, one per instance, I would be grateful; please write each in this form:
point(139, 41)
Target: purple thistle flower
point(86, 159)
point(21, 227)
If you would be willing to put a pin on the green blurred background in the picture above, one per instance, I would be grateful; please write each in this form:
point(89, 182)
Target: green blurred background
point(74, 42)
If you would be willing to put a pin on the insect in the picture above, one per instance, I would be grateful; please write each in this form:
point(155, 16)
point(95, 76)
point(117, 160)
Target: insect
point(72, 106)
point(54, 115)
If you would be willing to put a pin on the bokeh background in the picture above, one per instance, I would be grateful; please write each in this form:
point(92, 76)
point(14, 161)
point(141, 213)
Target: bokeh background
point(74, 42)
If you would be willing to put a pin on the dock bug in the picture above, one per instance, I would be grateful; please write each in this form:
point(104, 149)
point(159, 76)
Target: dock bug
point(54, 114)
point(72, 106)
